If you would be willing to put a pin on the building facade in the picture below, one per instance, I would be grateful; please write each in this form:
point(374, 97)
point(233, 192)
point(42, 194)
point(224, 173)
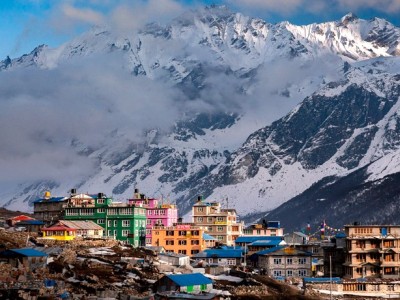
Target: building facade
point(372, 251)
point(220, 223)
point(121, 221)
point(157, 213)
point(49, 209)
point(266, 228)
point(285, 262)
point(183, 238)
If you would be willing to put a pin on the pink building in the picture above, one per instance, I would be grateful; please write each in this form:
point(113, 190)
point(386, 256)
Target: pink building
point(158, 214)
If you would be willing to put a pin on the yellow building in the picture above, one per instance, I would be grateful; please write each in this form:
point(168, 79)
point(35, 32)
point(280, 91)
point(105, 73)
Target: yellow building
point(183, 238)
point(59, 233)
point(220, 223)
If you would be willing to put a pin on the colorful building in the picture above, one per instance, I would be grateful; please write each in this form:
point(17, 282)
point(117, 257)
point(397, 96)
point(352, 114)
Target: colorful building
point(59, 233)
point(157, 214)
point(220, 223)
point(183, 238)
point(121, 221)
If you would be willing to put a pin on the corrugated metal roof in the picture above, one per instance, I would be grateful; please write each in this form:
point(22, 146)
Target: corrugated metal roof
point(220, 253)
point(270, 250)
point(189, 279)
point(30, 222)
point(85, 225)
point(321, 279)
point(58, 228)
point(251, 239)
point(28, 252)
point(20, 218)
point(52, 199)
point(208, 237)
point(265, 243)
point(173, 254)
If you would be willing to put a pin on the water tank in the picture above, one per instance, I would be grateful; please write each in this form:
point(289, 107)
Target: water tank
point(47, 194)
point(100, 196)
point(73, 191)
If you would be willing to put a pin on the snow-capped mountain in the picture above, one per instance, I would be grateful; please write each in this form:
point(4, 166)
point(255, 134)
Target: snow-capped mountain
point(333, 86)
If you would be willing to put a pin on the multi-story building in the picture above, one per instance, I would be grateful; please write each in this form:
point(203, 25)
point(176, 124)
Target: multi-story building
point(220, 223)
point(285, 262)
point(49, 209)
point(266, 228)
point(121, 221)
point(183, 238)
point(372, 251)
point(158, 214)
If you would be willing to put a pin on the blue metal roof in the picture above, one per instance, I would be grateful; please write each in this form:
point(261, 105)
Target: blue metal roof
point(28, 252)
point(264, 243)
point(52, 199)
point(208, 237)
point(251, 239)
point(270, 250)
point(321, 279)
point(220, 253)
point(189, 279)
point(30, 222)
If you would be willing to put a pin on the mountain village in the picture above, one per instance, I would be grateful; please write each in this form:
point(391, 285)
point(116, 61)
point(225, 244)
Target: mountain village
point(88, 246)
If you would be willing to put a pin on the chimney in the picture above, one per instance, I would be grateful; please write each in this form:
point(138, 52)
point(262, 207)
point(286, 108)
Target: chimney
point(199, 198)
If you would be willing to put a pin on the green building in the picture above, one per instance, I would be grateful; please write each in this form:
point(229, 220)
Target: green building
point(121, 221)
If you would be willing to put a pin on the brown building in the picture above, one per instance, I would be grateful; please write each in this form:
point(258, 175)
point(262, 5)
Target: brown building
point(372, 251)
point(220, 223)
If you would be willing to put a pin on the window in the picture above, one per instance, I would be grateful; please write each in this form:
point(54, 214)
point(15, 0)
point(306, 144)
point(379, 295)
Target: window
point(289, 273)
point(277, 261)
point(148, 231)
point(200, 219)
point(126, 223)
point(220, 219)
point(200, 209)
point(169, 242)
point(101, 221)
point(115, 233)
point(209, 219)
point(302, 261)
point(170, 233)
point(112, 211)
point(220, 228)
point(148, 241)
point(182, 242)
point(115, 223)
point(289, 261)
point(109, 233)
point(101, 210)
point(390, 287)
point(203, 287)
point(302, 272)
point(182, 251)
point(100, 201)
point(195, 232)
point(277, 273)
point(182, 233)
point(125, 211)
point(148, 222)
point(125, 232)
point(109, 223)
point(195, 242)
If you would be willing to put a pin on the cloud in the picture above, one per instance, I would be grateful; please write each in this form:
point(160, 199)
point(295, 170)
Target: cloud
point(85, 15)
point(43, 112)
point(387, 6)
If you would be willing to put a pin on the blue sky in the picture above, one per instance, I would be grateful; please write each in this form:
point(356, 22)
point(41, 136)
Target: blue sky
point(25, 24)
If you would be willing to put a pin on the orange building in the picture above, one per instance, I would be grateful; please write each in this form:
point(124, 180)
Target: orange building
point(184, 238)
